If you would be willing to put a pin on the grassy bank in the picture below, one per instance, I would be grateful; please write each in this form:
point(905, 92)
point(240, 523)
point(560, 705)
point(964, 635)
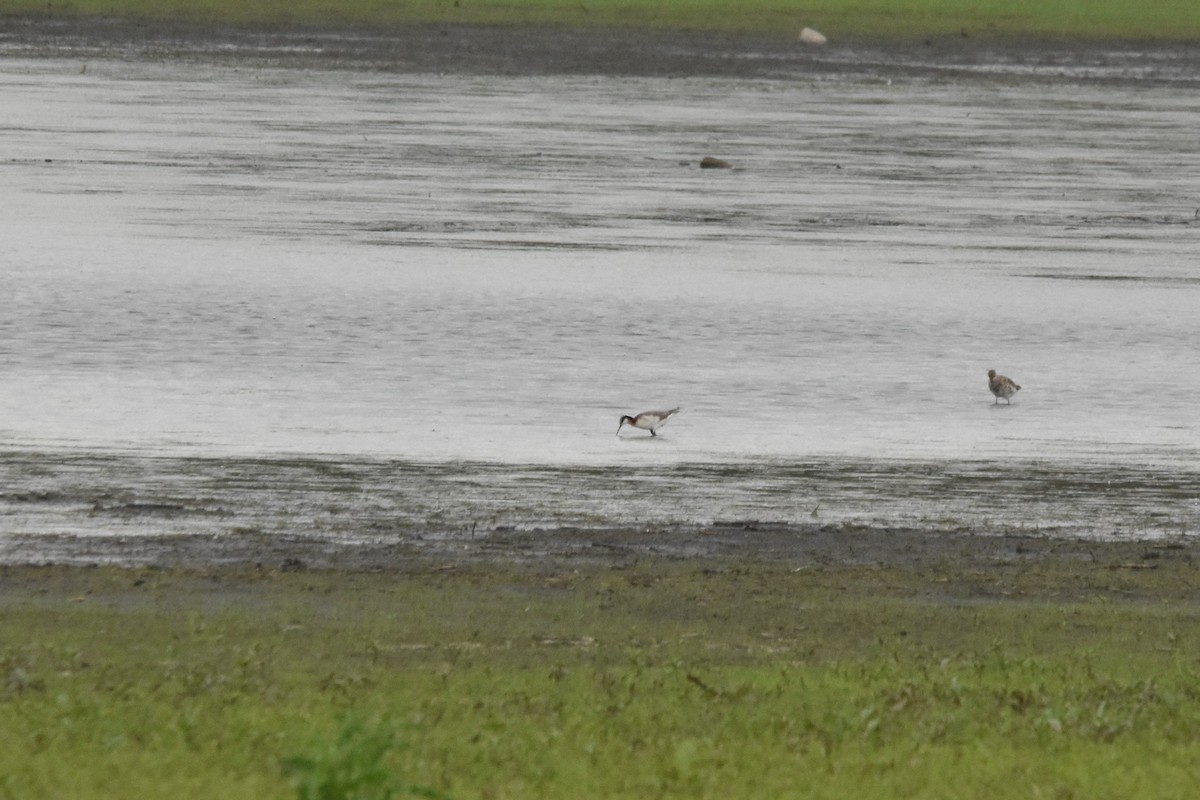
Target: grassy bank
point(1126, 19)
point(662, 680)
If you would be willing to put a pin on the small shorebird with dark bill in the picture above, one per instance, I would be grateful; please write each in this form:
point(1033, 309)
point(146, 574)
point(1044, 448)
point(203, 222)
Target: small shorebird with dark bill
point(647, 420)
point(1002, 386)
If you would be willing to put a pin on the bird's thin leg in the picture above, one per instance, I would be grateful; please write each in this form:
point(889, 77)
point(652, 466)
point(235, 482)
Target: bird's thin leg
point(652, 433)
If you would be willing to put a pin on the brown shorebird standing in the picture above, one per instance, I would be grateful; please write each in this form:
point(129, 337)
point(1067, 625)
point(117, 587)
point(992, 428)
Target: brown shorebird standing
point(647, 420)
point(1002, 386)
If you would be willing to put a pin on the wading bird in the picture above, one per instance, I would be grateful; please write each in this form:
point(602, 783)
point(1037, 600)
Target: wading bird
point(647, 420)
point(1002, 386)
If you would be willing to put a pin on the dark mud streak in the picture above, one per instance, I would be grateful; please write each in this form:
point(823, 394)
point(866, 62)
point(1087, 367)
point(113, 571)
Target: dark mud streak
point(798, 547)
point(544, 50)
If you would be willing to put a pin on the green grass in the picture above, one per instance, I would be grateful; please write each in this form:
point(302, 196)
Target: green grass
point(1135, 19)
point(666, 680)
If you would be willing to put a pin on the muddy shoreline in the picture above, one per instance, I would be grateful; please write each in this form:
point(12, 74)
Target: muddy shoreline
point(140, 510)
point(275, 537)
point(796, 547)
point(961, 570)
point(542, 50)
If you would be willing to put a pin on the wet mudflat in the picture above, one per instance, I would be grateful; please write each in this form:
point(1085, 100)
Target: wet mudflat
point(330, 292)
point(171, 511)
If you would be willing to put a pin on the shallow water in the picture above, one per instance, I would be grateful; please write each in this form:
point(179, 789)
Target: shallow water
point(222, 262)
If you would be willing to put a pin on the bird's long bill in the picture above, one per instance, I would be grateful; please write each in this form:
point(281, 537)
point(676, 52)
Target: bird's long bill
point(620, 425)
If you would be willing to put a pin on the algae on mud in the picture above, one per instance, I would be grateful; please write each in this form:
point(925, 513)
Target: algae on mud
point(702, 678)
